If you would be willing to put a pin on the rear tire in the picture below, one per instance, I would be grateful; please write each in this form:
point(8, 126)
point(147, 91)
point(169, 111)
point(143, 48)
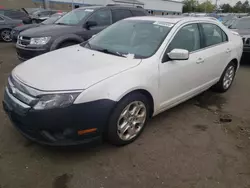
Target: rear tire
point(128, 119)
point(5, 35)
point(226, 79)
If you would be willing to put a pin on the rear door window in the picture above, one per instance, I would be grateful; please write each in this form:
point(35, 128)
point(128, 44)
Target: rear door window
point(119, 14)
point(213, 34)
point(101, 17)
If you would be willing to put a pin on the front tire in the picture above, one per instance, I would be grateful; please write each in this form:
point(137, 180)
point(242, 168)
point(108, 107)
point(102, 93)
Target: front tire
point(226, 79)
point(5, 35)
point(128, 119)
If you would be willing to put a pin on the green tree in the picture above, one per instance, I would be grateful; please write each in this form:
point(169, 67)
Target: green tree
point(237, 7)
point(245, 6)
point(226, 8)
point(190, 5)
point(206, 6)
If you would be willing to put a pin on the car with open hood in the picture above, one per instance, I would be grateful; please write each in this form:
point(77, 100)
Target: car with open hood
point(109, 86)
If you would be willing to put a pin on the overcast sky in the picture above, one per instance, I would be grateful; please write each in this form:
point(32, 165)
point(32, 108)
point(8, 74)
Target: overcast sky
point(231, 2)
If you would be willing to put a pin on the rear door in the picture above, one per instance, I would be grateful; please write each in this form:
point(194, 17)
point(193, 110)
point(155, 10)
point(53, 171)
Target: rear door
point(120, 14)
point(217, 51)
point(102, 18)
point(180, 79)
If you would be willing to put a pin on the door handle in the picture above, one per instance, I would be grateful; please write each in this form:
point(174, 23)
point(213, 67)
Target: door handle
point(228, 50)
point(200, 60)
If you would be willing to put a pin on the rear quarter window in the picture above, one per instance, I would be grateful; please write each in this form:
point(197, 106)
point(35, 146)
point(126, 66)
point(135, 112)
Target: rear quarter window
point(138, 13)
point(120, 14)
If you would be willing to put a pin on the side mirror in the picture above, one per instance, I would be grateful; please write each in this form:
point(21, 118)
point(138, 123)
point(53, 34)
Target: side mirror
point(90, 24)
point(178, 54)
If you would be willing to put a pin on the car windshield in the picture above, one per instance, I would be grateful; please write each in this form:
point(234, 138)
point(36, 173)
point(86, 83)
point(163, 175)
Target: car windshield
point(243, 23)
point(52, 19)
point(131, 38)
point(74, 17)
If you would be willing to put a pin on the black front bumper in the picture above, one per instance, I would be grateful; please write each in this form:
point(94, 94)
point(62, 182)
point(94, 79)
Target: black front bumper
point(59, 127)
point(25, 53)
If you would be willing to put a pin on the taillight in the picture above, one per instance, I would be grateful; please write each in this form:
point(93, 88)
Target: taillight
point(19, 24)
point(59, 11)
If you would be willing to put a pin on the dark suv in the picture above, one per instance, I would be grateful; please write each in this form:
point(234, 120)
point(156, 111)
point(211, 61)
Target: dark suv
point(242, 26)
point(73, 28)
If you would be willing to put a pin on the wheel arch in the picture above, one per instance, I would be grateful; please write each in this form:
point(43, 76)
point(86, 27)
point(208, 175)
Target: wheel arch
point(236, 63)
point(64, 39)
point(144, 92)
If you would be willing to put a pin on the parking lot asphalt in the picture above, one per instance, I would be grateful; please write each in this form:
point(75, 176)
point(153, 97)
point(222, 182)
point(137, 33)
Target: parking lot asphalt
point(202, 143)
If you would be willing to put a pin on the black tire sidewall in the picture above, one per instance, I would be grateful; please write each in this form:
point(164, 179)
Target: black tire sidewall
point(1, 34)
point(112, 135)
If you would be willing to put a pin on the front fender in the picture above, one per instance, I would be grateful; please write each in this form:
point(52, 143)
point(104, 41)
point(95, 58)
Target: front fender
point(116, 87)
point(64, 38)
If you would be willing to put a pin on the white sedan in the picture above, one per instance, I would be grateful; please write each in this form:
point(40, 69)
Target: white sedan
point(112, 84)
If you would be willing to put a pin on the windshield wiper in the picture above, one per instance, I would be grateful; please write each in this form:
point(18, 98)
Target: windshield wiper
point(106, 51)
point(61, 23)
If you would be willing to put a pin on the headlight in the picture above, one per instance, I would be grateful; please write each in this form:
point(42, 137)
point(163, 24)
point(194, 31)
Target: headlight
point(40, 41)
point(55, 101)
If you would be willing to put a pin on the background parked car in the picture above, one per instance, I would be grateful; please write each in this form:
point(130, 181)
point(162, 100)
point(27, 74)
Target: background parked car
point(15, 32)
point(41, 15)
point(73, 28)
point(16, 14)
point(6, 25)
point(242, 26)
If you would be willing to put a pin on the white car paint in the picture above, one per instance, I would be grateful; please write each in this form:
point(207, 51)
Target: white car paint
point(103, 76)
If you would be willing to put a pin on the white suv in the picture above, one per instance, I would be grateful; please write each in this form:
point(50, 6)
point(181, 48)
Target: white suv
point(110, 85)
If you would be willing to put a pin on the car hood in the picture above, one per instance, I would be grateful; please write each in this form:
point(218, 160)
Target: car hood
point(242, 32)
point(24, 27)
point(72, 68)
point(49, 30)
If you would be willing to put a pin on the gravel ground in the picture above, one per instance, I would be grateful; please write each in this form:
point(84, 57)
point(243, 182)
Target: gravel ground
point(189, 146)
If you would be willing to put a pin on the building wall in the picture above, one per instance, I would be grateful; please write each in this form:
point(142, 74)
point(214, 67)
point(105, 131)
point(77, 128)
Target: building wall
point(155, 6)
point(16, 4)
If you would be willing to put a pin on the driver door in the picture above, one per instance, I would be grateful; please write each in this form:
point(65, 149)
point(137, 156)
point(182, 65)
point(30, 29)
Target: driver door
point(102, 18)
point(181, 79)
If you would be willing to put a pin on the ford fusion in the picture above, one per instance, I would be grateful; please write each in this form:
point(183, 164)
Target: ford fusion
point(111, 85)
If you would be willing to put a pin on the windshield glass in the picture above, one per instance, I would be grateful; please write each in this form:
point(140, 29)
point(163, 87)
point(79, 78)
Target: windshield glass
point(243, 23)
point(52, 19)
point(131, 38)
point(74, 17)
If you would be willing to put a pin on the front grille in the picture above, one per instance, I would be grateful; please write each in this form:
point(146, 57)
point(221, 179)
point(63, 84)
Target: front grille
point(19, 91)
point(23, 41)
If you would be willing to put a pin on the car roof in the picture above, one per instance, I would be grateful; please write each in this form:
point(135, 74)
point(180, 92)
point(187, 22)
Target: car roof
point(170, 19)
point(111, 7)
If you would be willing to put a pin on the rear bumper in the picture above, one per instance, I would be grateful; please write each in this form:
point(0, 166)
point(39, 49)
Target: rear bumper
point(60, 127)
point(25, 53)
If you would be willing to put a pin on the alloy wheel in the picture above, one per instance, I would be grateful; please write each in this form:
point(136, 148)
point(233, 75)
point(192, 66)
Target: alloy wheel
point(6, 36)
point(131, 120)
point(228, 77)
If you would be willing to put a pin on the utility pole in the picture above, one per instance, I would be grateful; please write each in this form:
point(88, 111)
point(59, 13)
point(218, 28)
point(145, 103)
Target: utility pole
point(46, 4)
